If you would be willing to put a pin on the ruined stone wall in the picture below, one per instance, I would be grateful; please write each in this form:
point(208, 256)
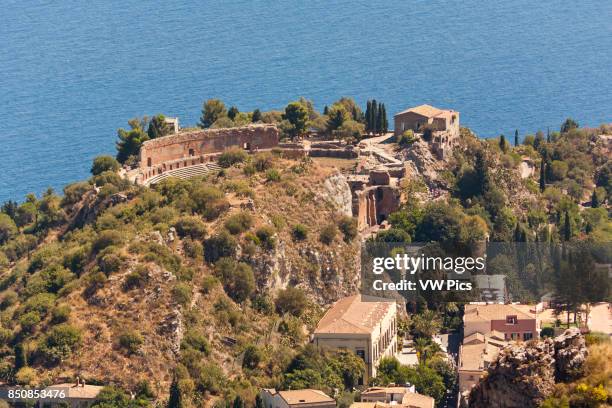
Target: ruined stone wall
point(156, 152)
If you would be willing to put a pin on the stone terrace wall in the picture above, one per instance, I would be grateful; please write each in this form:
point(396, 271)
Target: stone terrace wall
point(154, 153)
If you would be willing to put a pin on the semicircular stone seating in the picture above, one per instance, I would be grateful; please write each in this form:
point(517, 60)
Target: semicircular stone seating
point(195, 170)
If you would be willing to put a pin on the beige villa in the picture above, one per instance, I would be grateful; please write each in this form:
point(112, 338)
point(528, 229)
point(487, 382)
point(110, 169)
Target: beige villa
point(366, 325)
point(443, 122)
point(307, 398)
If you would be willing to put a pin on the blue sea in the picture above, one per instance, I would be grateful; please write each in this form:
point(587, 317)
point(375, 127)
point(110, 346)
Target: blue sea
point(72, 72)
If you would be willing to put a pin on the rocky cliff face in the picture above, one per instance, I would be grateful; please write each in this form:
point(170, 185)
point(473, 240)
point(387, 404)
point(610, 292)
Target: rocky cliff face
point(525, 374)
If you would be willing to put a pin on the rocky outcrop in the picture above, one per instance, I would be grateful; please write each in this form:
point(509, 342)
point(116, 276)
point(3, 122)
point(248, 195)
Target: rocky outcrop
point(336, 189)
point(525, 374)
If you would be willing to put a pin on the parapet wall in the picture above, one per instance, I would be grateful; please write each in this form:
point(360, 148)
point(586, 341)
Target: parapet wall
point(196, 143)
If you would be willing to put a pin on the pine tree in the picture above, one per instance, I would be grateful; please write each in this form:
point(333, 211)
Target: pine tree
point(516, 138)
point(542, 176)
point(232, 112)
point(176, 399)
point(567, 227)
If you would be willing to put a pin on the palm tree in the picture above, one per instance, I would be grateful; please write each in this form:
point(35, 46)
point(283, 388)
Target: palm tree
point(427, 323)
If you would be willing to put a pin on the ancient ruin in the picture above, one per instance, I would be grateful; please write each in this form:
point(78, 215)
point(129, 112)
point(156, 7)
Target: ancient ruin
point(198, 147)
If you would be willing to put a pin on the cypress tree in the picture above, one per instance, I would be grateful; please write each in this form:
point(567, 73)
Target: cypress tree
point(238, 402)
point(385, 123)
point(259, 402)
point(374, 116)
point(256, 116)
point(368, 117)
point(567, 227)
point(502, 143)
point(516, 141)
point(548, 134)
point(20, 357)
point(595, 199)
point(325, 110)
point(176, 399)
point(542, 176)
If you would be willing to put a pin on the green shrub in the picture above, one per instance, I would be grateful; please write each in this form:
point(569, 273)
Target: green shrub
point(263, 161)
point(328, 234)
point(547, 332)
point(136, 279)
point(208, 284)
point(252, 357)
point(263, 304)
point(232, 156)
point(237, 278)
point(130, 341)
point(106, 239)
point(60, 314)
point(76, 259)
point(406, 139)
point(218, 246)
point(273, 175)
point(29, 320)
point(40, 303)
point(209, 201)
point(26, 376)
point(74, 192)
point(6, 335)
point(181, 293)
point(249, 170)
point(299, 232)
point(61, 341)
point(165, 215)
point(190, 226)
point(193, 249)
point(9, 298)
point(104, 163)
point(265, 235)
point(348, 226)
point(239, 223)
point(291, 300)
point(110, 262)
point(196, 341)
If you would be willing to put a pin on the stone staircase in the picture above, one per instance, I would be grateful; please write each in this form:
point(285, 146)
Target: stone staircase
point(186, 172)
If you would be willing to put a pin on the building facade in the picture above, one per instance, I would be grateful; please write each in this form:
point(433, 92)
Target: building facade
point(192, 147)
point(514, 322)
point(307, 398)
point(444, 124)
point(365, 325)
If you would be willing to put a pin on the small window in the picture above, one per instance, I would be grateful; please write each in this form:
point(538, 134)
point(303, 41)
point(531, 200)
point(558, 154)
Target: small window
point(149, 162)
point(511, 319)
point(360, 353)
point(514, 336)
point(191, 152)
point(527, 336)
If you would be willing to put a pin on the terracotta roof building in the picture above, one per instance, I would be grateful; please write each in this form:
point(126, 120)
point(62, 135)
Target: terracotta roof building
point(307, 398)
point(443, 122)
point(366, 325)
point(396, 396)
point(76, 395)
point(515, 322)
